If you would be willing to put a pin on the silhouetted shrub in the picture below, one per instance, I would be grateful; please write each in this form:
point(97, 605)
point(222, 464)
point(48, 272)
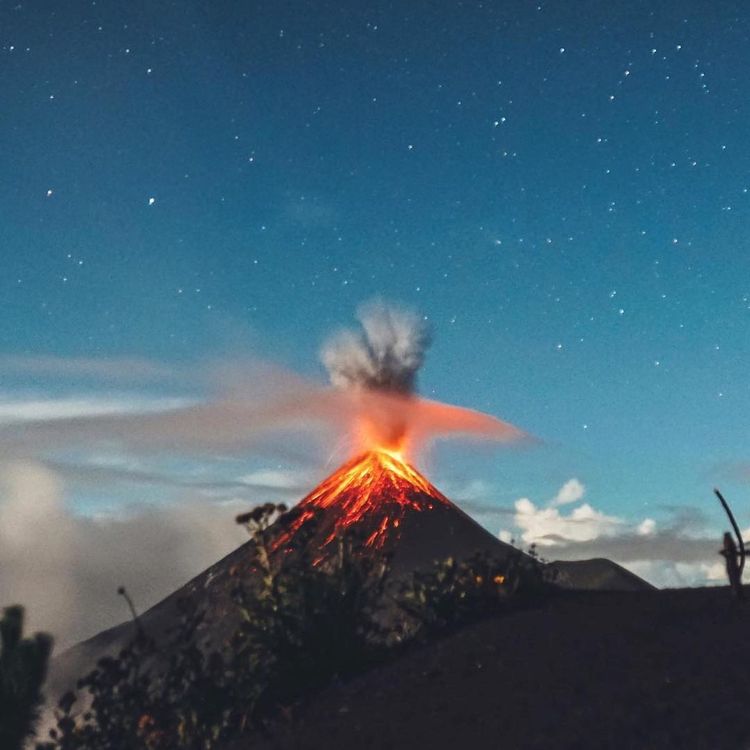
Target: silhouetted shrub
point(121, 703)
point(302, 623)
point(312, 619)
point(454, 592)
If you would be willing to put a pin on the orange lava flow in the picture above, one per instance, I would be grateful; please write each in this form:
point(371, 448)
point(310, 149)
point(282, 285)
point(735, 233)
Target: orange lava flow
point(375, 489)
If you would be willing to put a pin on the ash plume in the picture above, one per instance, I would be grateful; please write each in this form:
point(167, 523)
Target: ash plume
point(260, 407)
point(385, 355)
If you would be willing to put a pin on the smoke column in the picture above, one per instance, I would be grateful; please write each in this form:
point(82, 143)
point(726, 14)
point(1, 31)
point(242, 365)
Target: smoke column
point(384, 356)
point(375, 371)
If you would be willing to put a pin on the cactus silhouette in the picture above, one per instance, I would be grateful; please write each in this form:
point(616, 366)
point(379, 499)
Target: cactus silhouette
point(23, 668)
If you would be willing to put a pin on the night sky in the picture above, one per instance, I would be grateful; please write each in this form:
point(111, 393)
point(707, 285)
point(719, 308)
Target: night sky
point(560, 188)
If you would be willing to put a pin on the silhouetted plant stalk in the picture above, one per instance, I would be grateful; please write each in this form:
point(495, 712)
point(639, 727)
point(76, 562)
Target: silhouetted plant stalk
point(734, 554)
point(123, 592)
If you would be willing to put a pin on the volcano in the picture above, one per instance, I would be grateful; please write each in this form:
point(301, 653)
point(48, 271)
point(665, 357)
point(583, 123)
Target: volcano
point(377, 497)
point(387, 505)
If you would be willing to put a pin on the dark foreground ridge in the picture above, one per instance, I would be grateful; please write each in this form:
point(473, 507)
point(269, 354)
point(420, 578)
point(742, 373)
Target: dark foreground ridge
point(648, 669)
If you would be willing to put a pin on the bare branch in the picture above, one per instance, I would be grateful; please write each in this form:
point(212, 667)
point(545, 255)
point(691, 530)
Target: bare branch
point(740, 542)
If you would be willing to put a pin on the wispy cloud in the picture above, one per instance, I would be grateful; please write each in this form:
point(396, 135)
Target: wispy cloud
point(118, 369)
point(18, 409)
point(234, 420)
point(283, 483)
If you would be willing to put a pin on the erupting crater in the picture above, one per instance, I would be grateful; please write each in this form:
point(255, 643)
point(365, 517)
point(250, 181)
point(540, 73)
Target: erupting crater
point(372, 494)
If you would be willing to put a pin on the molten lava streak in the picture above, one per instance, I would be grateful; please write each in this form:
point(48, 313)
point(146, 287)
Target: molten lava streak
point(376, 491)
point(373, 492)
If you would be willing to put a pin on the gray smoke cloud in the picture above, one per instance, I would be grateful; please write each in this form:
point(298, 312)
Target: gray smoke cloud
point(385, 355)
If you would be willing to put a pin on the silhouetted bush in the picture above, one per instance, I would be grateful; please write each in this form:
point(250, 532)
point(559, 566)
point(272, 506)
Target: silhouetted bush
point(23, 668)
point(455, 592)
point(121, 703)
point(311, 619)
point(303, 622)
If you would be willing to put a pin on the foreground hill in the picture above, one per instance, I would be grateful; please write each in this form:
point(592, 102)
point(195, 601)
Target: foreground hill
point(647, 669)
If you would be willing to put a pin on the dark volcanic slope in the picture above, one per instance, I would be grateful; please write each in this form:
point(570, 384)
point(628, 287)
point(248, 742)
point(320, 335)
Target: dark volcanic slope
point(209, 590)
point(649, 669)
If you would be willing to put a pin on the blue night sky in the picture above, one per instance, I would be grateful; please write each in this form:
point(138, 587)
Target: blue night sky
point(561, 189)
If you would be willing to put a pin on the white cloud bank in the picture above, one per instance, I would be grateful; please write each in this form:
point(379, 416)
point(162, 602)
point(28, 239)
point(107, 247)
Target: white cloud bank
point(677, 553)
point(547, 527)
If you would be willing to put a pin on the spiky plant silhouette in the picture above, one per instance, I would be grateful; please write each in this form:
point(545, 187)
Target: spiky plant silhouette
point(23, 669)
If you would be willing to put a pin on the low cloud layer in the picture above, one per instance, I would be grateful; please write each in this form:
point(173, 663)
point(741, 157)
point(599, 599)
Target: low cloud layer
point(547, 527)
point(65, 568)
point(676, 552)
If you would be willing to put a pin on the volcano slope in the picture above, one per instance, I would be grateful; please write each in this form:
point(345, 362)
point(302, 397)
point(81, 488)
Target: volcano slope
point(585, 671)
point(392, 508)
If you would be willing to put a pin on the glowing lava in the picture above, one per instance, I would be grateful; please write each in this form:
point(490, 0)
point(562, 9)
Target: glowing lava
point(373, 492)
